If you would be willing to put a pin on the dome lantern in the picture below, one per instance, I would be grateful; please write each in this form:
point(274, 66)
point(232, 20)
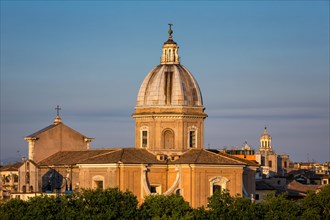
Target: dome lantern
point(170, 50)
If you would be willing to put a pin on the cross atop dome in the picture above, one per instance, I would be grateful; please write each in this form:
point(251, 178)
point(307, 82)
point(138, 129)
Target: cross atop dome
point(57, 119)
point(170, 49)
point(170, 32)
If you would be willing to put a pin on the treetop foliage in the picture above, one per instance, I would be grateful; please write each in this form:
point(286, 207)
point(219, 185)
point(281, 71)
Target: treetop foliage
point(115, 204)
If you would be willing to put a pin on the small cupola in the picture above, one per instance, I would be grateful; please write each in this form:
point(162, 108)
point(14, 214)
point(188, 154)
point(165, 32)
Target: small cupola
point(265, 140)
point(170, 50)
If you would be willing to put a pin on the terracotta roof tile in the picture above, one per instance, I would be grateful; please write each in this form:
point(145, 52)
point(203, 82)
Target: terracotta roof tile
point(72, 157)
point(126, 156)
point(299, 187)
point(11, 167)
point(201, 156)
point(101, 156)
point(50, 127)
point(247, 162)
point(138, 156)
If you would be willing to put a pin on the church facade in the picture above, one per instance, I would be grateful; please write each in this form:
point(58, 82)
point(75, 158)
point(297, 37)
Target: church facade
point(168, 157)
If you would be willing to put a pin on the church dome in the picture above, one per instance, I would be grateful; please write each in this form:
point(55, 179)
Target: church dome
point(170, 83)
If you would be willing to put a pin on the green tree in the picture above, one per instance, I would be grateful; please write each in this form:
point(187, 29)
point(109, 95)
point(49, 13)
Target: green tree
point(224, 206)
point(41, 207)
point(165, 207)
point(279, 207)
point(13, 209)
point(99, 204)
point(317, 205)
point(219, 204)
point(200, 214)
point(243, 208)
point(324, 202)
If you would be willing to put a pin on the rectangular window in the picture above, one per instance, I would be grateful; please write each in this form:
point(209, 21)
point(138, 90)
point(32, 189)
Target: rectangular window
point(15, 178)
point(99, 184)
point(144, 138)
point(285, 164)
point(192, 138)
point(216, 188)
point(257, 197)
point(270, 163)
point(153, 189)
point(156, 189)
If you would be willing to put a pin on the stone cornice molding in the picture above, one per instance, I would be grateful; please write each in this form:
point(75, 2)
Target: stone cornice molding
point(167, 116)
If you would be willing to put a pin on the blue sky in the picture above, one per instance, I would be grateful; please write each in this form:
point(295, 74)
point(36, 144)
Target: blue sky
point(257, 63)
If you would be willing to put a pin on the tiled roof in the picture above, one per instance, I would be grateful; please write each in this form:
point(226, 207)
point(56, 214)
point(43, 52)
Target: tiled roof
point(50, 127)
point(247, 162)
point(302, 188)
point(137, 156)
point(11, 167)
point(126, 156)
point(262, 185)
point(101, 156)
point(72, 157)
point(201, 156)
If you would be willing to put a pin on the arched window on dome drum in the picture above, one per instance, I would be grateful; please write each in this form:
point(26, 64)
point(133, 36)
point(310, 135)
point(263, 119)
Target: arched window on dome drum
point(192, 139)
point(144, 137)
point(168, 139)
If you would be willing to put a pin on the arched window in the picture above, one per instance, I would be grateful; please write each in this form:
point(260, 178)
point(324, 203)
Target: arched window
point(192, 137)
point(165, 55)
point(168, 137)
point(218, 183)
point(144, 137)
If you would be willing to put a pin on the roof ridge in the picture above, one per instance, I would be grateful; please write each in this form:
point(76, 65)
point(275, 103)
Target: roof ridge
point(110, 152)
point(228, 157)
point(121, 156)
point(41, 130)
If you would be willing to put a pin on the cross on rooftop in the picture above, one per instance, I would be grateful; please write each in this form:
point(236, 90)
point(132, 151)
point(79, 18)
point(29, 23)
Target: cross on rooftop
point(58, 110)
point(170, 32)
